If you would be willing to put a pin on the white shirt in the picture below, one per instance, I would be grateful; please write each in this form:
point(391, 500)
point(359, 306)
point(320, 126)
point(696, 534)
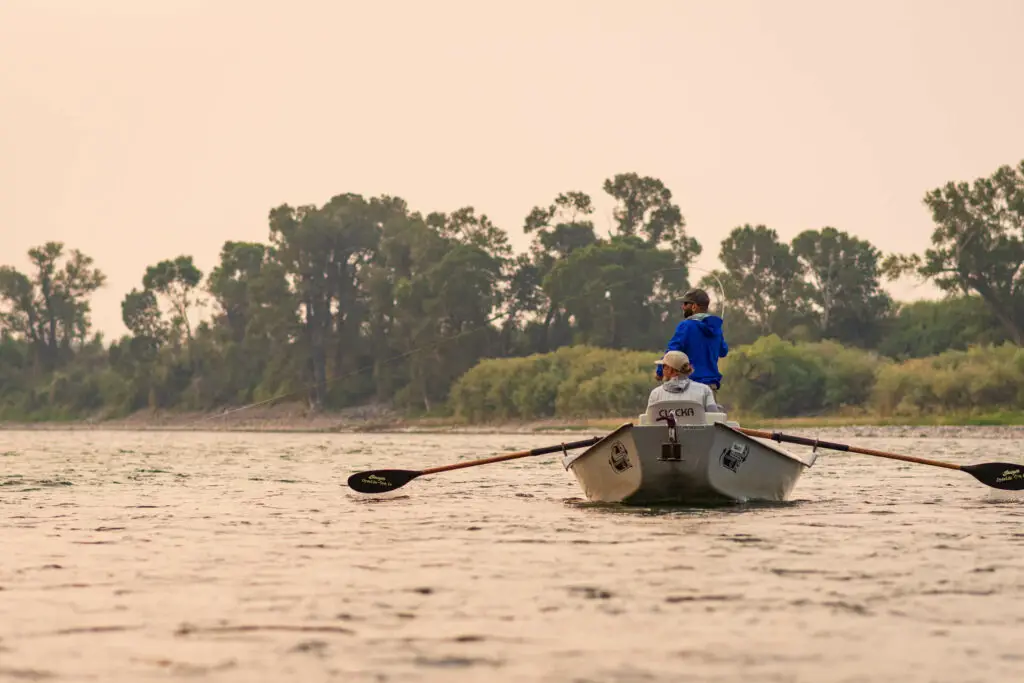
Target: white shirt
point(679, 389)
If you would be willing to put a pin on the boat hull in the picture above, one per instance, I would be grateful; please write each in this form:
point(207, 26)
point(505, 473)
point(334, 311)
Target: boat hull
point(713, 463)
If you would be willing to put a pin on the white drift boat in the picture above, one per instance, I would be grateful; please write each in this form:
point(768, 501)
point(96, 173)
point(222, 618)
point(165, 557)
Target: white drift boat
point(681, 454)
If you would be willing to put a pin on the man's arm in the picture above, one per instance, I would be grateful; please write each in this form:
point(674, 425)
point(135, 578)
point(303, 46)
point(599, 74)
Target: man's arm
point(678, 340)
point(676, 343)
point(724, 351)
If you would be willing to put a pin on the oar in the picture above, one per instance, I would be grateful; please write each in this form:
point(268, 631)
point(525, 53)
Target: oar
point(380, 481)
point(999, 475)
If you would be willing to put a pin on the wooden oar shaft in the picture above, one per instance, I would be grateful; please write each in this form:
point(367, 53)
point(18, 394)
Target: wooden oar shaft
point(512, 456)
point(803, 441)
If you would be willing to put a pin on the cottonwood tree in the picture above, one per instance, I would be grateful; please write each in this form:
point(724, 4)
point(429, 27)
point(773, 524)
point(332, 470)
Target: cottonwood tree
point(763, 278)
point(49, 308)
point(843, 274)
point(560, 229)
point(977, 244)
point(177, 280)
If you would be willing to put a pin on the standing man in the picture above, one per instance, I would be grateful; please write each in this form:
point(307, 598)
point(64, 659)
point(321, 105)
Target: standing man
point(700, 337)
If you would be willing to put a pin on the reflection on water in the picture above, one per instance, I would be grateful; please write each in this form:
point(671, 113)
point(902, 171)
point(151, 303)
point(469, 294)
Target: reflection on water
point(673, 509)
point(244, 557)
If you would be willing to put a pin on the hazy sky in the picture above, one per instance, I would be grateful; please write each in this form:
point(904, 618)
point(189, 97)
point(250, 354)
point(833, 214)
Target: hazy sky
point(139, 130)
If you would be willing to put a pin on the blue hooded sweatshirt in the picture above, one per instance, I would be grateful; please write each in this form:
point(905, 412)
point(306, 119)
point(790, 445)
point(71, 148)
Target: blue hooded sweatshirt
point(700, 338)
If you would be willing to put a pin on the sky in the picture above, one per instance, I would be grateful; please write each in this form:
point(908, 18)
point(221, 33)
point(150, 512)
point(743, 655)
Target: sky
point(140, 130)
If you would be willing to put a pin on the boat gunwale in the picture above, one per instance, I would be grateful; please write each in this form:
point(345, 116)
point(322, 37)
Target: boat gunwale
point(770, 445)
point(568, 460)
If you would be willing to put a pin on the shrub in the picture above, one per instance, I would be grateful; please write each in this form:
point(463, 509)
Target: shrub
point(981, 379)
point(773, 378)
point(573, 381)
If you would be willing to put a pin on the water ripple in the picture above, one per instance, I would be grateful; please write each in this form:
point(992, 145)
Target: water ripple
point(235, 557)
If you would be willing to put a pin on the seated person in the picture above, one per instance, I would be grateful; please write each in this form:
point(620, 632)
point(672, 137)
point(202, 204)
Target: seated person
point(677, 386)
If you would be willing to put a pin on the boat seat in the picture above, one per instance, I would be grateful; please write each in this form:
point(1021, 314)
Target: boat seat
point(684, 412)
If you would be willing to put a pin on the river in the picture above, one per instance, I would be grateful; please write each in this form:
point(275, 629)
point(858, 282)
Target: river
point(157, 556)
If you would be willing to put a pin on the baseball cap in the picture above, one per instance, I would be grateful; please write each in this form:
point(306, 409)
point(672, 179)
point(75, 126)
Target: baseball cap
point(674, 359)
point(697, 296)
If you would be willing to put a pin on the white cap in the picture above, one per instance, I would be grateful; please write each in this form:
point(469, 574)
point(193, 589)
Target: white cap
point(674, 359)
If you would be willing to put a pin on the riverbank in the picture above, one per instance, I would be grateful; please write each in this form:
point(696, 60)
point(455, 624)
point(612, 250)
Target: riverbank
point(298, 418)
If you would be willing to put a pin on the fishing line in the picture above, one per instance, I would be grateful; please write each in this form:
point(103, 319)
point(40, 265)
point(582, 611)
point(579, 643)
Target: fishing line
point(721, 287)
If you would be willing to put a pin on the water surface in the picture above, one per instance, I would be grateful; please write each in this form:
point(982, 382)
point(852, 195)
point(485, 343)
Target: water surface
point(244, 557)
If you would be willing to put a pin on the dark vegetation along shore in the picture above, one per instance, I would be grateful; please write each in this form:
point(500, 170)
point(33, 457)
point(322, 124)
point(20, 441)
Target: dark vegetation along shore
point(364, 314)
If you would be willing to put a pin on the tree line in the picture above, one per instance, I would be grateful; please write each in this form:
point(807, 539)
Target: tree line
point(366, 300)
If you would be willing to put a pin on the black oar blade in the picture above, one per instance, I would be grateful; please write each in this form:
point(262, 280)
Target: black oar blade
point(1000, 475)
point(380, 481)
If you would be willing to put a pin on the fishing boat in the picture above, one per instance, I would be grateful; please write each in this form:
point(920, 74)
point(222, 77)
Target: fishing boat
point(681, 454)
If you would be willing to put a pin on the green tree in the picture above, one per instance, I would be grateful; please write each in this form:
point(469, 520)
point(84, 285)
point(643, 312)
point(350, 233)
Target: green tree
point(436, 286)
point(323, 251)
point(609, 289)
point(249, 350)
point(152, 369)
point(230, 281)
point(616, 292)
point(15, 363)
point(928, 328)
point(523, 298)
point(178, 281)
point(845, 289)
point(561, 228)
point(134, 358)
point(763, 279)
point(50, 310)
point(977, 244)
point(140, 313)
point(644, 207)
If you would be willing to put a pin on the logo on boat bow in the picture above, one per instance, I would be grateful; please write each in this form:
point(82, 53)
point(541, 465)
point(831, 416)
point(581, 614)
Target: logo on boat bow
point(619, 459)
point(734, 456)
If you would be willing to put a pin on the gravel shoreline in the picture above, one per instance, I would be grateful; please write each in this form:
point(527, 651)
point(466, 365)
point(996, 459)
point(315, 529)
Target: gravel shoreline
point(383, 420)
